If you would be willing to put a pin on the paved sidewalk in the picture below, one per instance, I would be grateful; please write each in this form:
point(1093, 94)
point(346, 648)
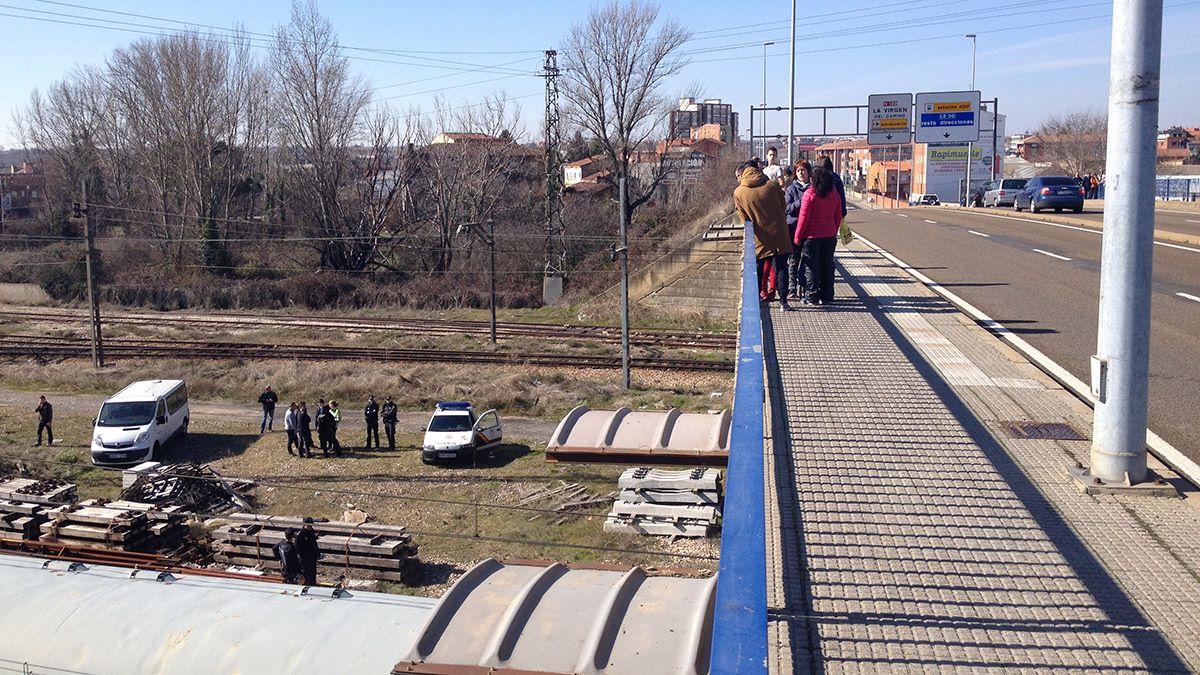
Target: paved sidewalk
point(907, 532)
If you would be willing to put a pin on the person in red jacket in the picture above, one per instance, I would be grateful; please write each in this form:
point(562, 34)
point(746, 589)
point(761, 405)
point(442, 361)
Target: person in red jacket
point(816, 235)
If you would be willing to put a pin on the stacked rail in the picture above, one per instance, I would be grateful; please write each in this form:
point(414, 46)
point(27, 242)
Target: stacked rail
point(352, 550)
point(121, 526)
point(196, 488)
point(21, 520)
point(667, 503)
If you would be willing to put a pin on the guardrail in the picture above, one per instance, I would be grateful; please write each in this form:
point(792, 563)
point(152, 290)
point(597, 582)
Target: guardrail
point(740, 619)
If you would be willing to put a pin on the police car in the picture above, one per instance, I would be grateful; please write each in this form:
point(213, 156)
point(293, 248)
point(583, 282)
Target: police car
point(455, 432)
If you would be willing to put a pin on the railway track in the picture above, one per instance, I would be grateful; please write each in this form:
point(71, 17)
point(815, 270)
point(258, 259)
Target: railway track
point(43, 346)
point(666, 339)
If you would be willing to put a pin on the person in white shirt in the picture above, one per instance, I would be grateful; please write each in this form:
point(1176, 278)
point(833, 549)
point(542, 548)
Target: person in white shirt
point(772, 170)
point(291, 424)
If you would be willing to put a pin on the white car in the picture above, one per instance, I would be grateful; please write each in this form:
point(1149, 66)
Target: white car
point(137, 421)
point(455, 432)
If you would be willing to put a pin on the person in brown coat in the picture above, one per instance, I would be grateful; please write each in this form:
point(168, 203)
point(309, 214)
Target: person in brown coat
point(760, 200)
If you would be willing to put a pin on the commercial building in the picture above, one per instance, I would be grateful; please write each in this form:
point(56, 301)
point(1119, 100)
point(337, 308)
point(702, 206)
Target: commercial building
point(692, 114)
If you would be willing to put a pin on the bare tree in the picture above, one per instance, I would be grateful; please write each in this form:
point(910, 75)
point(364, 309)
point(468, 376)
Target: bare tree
point(616, 67)
point(473, 173)
point(1075, 142)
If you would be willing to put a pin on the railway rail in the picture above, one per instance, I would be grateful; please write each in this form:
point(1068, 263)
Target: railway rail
point(45, 346)
point(132, 559)
point(697, 340)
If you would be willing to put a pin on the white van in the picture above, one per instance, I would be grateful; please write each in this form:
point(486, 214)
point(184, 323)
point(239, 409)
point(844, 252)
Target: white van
point(138, 420)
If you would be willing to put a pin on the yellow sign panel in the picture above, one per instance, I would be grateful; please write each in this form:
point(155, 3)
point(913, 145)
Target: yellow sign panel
point(895, 123)
point(951, 106)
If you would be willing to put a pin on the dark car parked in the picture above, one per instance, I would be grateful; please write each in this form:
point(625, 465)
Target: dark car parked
point(1050, 192)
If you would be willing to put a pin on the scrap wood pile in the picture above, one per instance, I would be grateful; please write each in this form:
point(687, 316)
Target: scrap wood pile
point(566, 497)
point(29, 490)
point(122, 526)
point(195, 488)
point(663, 502)
point(355, 550)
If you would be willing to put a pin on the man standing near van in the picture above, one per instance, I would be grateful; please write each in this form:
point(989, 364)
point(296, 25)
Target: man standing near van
point(371, 416)
point(389, 422)
point(291, 425)
point(268, 399)
point(45, 413)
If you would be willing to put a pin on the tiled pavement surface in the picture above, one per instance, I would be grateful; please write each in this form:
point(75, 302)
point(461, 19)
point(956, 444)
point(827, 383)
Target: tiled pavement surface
point(908, 533)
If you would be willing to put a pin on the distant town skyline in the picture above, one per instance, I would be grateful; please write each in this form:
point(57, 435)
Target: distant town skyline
point(1039, 58)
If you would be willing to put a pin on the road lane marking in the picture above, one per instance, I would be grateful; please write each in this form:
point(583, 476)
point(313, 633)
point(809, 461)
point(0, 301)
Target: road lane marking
point(1080, 229)
point(979, 233)
point(931, 222)
point(1189, 296)
point(1190, 221)
point(902, 215)
point(1052, 255)
point(887, 212)
point(1183, 465)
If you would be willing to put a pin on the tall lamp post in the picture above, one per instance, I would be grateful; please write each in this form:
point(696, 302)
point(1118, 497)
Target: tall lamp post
point(488, 238)
point(764, 112)
point(970, 146)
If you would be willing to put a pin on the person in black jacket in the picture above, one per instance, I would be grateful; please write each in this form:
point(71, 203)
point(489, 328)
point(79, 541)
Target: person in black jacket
point(268, 399)
point(45, 413)
point(308, 552)
point(389, 422)
point(289, 559)
point(371, 415)
point(304, 427)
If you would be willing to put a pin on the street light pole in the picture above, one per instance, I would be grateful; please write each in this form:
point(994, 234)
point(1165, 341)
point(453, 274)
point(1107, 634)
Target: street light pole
point(764, 112)
point(792, 92)
point(970, 145)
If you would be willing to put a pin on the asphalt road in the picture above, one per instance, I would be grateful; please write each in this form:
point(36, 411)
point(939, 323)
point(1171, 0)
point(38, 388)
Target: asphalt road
point(1041, 280)
point(1180, 222)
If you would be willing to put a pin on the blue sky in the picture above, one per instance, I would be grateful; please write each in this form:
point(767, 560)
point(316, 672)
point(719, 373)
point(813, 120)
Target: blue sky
point(1040, 58)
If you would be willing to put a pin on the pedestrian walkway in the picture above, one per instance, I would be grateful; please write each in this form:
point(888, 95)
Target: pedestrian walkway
point(907, 531)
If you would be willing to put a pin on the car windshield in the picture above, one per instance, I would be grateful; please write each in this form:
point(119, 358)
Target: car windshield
point(450, 423)
point(125, 414)
point(1014, 183)
point(1058, 180)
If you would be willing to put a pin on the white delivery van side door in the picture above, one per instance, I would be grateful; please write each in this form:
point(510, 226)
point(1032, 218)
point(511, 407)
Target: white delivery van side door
point(488, 429)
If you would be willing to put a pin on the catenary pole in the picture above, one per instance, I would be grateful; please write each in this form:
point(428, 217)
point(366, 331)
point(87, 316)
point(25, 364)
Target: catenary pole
point(491, 242)
point(1122, 362)
point(626, 380)
point(792, 93)
point(970, 146)
point(89, 237)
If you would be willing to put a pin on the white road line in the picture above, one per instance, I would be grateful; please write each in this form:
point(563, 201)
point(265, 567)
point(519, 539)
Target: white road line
point(1052, 255)
point(1182, 464)
point(931, 222)
point(1081, 229)
point(979, 233)
point(1186, 220)
point(902, 215)
point(1189, 296)
point(887, 212)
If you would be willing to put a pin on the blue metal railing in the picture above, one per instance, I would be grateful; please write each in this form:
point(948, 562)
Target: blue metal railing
point(740, 619)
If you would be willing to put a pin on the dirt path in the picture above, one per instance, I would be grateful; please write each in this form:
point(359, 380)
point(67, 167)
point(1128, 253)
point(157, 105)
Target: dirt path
point(525, 428)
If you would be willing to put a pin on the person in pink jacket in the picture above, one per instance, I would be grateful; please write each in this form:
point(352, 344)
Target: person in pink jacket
point(817, 234)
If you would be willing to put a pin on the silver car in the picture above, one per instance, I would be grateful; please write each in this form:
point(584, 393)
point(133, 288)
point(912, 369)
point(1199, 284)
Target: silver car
point(1002, 192)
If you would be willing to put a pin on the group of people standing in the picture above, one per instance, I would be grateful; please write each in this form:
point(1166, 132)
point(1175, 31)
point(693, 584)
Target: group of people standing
point(298, 424)
point(797, 213)
point(1091, 185)
point(298, 554)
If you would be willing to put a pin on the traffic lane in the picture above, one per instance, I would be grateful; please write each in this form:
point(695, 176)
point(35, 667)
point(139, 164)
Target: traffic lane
point(1175, 265)
point(1179, 222)
point(1053, 305)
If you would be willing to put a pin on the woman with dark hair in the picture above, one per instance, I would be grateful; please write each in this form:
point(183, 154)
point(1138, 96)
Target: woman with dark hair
point(816, 234)
point(794, 196)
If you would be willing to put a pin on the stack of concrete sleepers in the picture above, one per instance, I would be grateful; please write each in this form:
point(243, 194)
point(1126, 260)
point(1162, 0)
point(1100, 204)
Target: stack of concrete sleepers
point(48, 491)
point(21, 520)
point(106, 526)
point(356, 550)
point(683, 503)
